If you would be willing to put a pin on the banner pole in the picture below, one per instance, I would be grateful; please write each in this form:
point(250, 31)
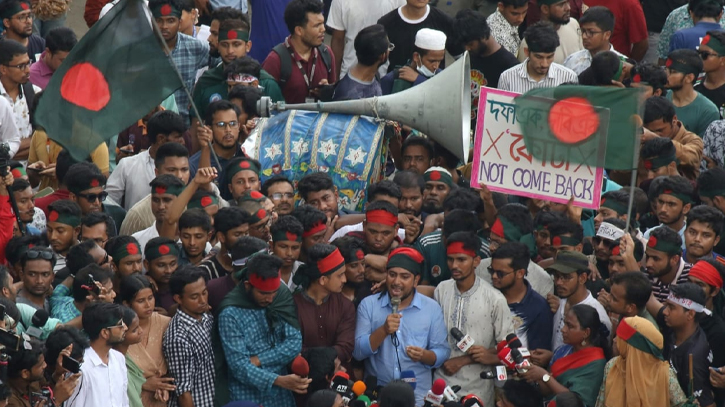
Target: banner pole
point(633, 179)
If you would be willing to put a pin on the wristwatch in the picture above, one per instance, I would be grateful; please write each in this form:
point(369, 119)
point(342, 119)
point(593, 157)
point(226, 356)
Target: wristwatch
point(546, 378)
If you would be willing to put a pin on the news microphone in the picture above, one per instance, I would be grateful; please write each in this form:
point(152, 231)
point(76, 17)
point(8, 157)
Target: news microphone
point(472, 400)
point(449, 394)
point(513, 341)
point(300, 367)
point(364, 399)
point(408, 376)
point(40, 318)
point(505, 357)
point(488, 375)
point(523, 366)
point(463, 342)
point(435, 394)
point(501, 345)
point(358, 388)
point(341, 385)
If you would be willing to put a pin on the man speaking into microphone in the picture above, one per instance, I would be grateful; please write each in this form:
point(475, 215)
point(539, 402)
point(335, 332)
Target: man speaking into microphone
point(409, 336)
point(476, 309)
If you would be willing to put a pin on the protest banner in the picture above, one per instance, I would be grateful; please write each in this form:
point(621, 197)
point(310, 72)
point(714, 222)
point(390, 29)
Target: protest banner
point(502, 162)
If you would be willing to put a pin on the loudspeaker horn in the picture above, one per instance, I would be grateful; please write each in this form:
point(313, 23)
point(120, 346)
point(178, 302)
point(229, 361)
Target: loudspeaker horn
point(439, 107)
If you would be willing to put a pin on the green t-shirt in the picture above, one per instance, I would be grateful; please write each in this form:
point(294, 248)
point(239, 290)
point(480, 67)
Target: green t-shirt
point(435, 263)
point(698, 115)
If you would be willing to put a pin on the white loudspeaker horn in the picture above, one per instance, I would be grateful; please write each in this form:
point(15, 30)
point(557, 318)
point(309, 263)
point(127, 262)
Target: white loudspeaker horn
point(439, 107)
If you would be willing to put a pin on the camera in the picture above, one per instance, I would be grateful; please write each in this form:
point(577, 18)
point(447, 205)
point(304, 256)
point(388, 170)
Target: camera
point(43, 395)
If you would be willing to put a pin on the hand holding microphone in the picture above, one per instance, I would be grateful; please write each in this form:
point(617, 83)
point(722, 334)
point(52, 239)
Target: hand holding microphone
point(435, 394)
point(463, 341)
point(392, 322)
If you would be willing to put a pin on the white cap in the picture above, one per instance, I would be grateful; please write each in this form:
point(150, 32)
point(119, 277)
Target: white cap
point(431, 40)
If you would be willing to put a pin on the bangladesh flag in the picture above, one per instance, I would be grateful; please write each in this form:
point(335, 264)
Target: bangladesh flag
point(114, 76)
point(595, 126)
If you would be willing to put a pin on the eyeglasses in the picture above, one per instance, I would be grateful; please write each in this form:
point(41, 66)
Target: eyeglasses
point(279, 195)
point(25, 17)
point(94, 197)
point(263, 227)
point(232, 124)
point(705, 55)
point(391, 47)
point(499, 273)
point(34, 254)
point(105, 260)
point(590, 33)
point(22, 67)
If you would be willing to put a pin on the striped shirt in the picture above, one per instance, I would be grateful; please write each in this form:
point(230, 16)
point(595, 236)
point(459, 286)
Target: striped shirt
point(661, 290)
point(517, 79)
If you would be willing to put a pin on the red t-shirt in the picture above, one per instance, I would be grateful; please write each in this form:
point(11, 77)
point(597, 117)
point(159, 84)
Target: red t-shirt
point(296, 89)
point(43, 202)
point(630, 26)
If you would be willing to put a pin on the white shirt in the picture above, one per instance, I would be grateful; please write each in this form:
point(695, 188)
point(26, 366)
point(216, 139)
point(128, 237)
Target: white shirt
point(581, 60)
point(352, 16)
point(556, 339)
point(8, 129)
point(517, 79)
point(21, 111)
point(539, 279)
point(291, 285)
point(131, 178)
point(145, 235)
point(358, 227)
point(101, 384)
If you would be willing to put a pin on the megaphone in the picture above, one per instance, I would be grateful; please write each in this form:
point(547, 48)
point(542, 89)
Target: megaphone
point(439, 107)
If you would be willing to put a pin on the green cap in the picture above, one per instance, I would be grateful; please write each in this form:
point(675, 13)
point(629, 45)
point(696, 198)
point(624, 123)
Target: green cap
point(568, 261)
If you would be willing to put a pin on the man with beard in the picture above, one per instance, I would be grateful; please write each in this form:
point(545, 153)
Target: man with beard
point(558, 14)
point(218, 16)
point(665, 265)
point(672, 201)
point(242, 175)
point(628, 296)
point(104, 378)
point(318, 190)
point(380, 231)
point(478, 310)
point(327, 318)
point(619, 259)
point(411, 339)
point(489, 59)
point(280, 190)
point(24, 199)
point(412, 188)
point(17, 19)
point(417, 154)
point(229, 225)
point(63, 229)
point(597, 25)
point(86, 185)
point(438, 183)
point(257, 349)
point(505, 22)
point(127, 257)
point(612, 205)
point(711, 193)
point(702, 234)
point(99, 227)
point(429, 52)
point(372, 47)
point(37, 275)
point(164, 191)
point(542, 221)
point(287, 244)
point(694, 110)
point(356, 287)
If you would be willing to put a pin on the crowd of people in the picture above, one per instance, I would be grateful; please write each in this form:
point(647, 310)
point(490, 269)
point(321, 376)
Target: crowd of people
point(169, 268)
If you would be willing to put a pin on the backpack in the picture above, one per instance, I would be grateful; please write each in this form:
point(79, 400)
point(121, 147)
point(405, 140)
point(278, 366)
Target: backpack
point(285, 61)
point(28, 93)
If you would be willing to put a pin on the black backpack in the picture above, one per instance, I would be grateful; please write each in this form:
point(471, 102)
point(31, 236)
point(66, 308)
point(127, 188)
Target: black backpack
point(285, 61)
point(28, 93)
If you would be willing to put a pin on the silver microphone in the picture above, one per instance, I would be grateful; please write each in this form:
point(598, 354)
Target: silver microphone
point(395, 303)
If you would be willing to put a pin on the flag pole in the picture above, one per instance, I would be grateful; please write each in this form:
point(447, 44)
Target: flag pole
point(633, 179)
point(156, 30)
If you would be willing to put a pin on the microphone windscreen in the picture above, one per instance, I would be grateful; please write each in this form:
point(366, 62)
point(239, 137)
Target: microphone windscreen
point(505, 357)
point(359, 388)
point(457, 334)
point(40, 318)
point(300, 367)
point(513, 341)
point(501, 345)
point(364, 399)
point(408, 376)
point(439, 386)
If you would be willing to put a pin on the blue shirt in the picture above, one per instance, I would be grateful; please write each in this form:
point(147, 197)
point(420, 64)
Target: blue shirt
point(245, 333)
point(690, 37)
point(268, 26)
point(422, 325)
point(533, 320)
point(351, 88)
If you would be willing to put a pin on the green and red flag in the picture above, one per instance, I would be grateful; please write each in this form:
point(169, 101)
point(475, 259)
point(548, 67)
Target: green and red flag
point(595, 126)
point(114, 76)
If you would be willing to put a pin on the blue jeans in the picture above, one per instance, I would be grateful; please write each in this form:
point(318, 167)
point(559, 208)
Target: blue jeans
point(41, 27)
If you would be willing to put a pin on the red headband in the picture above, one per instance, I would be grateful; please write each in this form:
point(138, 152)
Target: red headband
point(266, 285)
point(332, 262)
point(381, 216)
point(458, 248)
point(408, 251)
point(318, 227)
point(706, 272)
point(497, 228)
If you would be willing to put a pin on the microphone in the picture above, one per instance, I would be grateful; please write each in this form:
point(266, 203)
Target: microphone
point(38, 322)
point(488, 375)
point(408, 376)
point(435, 394)
point(505, 357)
point(463, 342)
point(364, 399)
point(472, 400)
point(501, 345)
point(358, 388)
point(300, 367)
point(341, 385)
point(371, 384)
point(513, 341)
point(395, 303)
point(449, 394)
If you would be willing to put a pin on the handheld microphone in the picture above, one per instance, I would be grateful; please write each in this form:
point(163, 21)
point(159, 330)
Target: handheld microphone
point(341, 385)
point(501, 345)
point(449, 394)
point(435, 394)
point(471, 400)
point(40, 318)
point(463, 342)
point(364, 399)
point(395, 304)
point(358, 403)
point(523, 366)
point(408, 376)
point(505, 357)
point(358, 388)
point(513, 341)
point(300, 367)
point(488, 375)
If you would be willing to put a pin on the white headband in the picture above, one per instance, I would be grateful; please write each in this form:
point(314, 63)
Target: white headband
point(609, 231)
point(688, 304)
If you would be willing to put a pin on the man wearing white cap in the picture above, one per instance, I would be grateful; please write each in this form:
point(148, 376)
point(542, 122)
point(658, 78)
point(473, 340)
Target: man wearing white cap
point(429, 52)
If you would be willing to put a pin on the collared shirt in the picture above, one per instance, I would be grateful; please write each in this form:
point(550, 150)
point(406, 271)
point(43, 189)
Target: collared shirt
point(557, 339)
point(690, 38)
point(291, 284)
point(40, 72)
point(330, 324)
point(189, 55)
point(505, 34)
point(145, 235)
point(678, 19)
point(8, 129)
point(581, 60)
point(422, 324)
point(59, 262)
point(20, 396)
point(539, 279)
point(130, 180)
point(517, 79)
point(21, 111)
point(62, 305)
point(245, 333)
point(188, 352)
point(435, 263)
point(630, 26)
point(483, 314)
point(101, 384)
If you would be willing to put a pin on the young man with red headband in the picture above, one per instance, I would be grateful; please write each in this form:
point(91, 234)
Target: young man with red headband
point(411, 336)
point(380, 232)
point(257, 349)
point(317, 227)
point(287, 244)
point(463, 299)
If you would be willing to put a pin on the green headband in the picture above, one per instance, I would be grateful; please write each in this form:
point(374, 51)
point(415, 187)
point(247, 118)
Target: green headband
point(153, 252)
point(564, 241)
point(172, 190)
point(285, 236)
point(88, 183)
point(19, 8)
point(203, 202)
point(666, 247)
point(506, 229)
point(238, 165)
point(711, 193)
point(254, 196)
point(637, 340)
point(438, 174)
point(613, 205)
point(233, 35)
point(682, 197)
point(258, 216)
point(64, 218)
point(619, 70)
point(681, 67)
point(129, 249)
point(166, 10)
point(714, 43)
point(654, 163)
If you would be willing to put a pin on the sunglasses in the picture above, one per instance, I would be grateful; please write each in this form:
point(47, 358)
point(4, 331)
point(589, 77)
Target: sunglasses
point(34, 254)
point(93, 197)
point(499, 273)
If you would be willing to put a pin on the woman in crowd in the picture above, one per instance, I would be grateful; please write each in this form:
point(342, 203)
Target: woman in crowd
point(136, 294)
point(578, 365)
point(136, 379)
point(639, 375)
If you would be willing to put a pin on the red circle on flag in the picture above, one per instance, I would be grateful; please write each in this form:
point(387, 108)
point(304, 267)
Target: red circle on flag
point(166, 10)
point(231, 35)
point(261, 214)
point(556, 241)
point(85, 85)
point(53, 216)
point(256, 195)
point(652, 242)
point(291, 236)
point(206, 201)
point(160, 190)
point(164, 249)
point(94, 183)
point(435, 176)
point(573, 119)
point(244, 164)
point(132, 249)
point(25, 6)
point(16, 173)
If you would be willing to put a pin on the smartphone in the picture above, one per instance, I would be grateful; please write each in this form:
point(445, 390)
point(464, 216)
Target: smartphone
point(70, 364)
point(92, 287)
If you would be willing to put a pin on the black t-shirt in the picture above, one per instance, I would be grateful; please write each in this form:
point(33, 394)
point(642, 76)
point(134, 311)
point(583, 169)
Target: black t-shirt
point(698, 346)
point(656, 12)
point(491, 67)
point(716, 96)
point(402, 34)
point(714, 328)
point(36, 46)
